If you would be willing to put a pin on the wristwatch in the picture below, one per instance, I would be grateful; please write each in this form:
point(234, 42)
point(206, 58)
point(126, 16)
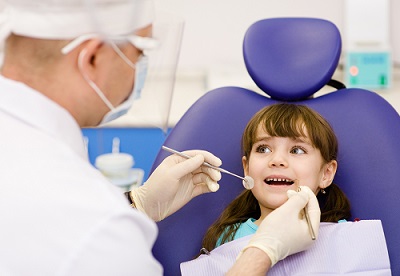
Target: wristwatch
point(128, 196)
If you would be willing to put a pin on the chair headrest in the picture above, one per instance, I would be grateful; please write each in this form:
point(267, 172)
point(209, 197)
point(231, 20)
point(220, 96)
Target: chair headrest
point(290, 59)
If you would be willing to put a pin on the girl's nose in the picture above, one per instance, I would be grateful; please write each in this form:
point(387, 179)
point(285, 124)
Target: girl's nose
point(277, 160)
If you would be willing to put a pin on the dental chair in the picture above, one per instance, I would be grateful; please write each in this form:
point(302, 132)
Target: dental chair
point(290, 60)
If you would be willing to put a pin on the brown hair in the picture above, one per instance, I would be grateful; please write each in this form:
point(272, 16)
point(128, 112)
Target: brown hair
point(282, 120)
point(41, 53)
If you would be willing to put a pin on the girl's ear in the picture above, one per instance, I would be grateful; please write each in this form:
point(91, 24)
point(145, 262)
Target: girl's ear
point(328, 174)
point(245, 164)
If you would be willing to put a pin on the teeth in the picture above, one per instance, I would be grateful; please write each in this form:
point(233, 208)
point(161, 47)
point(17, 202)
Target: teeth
point(279, 180)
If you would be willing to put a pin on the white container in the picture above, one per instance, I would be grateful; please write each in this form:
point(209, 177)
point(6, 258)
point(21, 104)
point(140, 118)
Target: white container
point(115, 165)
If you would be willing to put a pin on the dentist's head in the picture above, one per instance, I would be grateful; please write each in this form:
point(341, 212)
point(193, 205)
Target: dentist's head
point(88, 56)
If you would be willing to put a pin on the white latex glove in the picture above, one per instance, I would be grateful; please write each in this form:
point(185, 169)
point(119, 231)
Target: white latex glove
point(285, 230)
point(175, 182)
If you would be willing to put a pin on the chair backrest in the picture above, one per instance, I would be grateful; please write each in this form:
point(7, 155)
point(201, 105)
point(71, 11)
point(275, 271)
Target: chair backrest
point(290, 59)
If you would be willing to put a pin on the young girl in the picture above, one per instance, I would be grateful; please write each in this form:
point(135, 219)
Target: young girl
point(284, 146)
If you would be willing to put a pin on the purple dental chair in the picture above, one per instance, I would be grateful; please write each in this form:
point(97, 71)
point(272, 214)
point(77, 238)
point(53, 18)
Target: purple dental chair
point(290, 59)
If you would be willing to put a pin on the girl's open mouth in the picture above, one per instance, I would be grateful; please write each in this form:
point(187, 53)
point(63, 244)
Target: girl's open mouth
point(279, 181)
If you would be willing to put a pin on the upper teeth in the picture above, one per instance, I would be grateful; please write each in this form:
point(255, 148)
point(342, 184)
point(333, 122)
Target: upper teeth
point(279, 180)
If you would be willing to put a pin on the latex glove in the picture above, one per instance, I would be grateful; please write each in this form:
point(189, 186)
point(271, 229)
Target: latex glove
point(285, 230)
point(175, 182)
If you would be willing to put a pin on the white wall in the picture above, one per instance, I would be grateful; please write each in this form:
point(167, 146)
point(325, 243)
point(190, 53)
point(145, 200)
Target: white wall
point(395, 29)
point(211, 51)
point(214, 29)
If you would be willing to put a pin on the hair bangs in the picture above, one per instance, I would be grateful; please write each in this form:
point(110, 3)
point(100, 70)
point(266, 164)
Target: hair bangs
point(284, 125)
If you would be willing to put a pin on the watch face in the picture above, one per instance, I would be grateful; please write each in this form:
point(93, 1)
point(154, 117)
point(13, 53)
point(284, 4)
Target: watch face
point(128, 196)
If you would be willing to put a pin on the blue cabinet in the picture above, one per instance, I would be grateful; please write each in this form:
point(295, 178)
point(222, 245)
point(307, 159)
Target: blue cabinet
point(142, 143)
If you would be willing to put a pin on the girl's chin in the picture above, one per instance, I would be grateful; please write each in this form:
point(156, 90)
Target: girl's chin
point(274, 201)
point(274, 196)
point(277, 203)
point(279, 188)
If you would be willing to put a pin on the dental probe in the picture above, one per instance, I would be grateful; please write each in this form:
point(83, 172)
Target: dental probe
point(310, 228)
point(248, 182)
point(309, 223)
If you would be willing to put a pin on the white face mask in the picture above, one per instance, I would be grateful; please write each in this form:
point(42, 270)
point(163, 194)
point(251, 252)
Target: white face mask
point(140, 68)
point(140, 77)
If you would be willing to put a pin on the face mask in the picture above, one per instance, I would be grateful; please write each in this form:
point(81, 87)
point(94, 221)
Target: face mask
point(140, 76)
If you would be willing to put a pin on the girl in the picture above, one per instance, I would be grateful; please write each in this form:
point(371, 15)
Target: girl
point(284, 146)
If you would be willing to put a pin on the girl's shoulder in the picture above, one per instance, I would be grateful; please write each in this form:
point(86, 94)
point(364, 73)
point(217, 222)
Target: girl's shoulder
point(246, 228)
point(243, 229)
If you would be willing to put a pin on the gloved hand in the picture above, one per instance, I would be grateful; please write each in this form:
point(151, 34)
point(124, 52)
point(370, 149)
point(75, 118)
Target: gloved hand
point(285, 230)
point(175, 182)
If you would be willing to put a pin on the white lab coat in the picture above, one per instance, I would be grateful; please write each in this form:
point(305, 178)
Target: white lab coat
point(59, 215)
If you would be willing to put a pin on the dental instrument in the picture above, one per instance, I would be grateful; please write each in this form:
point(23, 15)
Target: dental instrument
point(309, 223)
point(306, 215)
point(247, 181)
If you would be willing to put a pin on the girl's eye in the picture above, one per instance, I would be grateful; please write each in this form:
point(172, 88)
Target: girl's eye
point(298, 150)
point(263, 149)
